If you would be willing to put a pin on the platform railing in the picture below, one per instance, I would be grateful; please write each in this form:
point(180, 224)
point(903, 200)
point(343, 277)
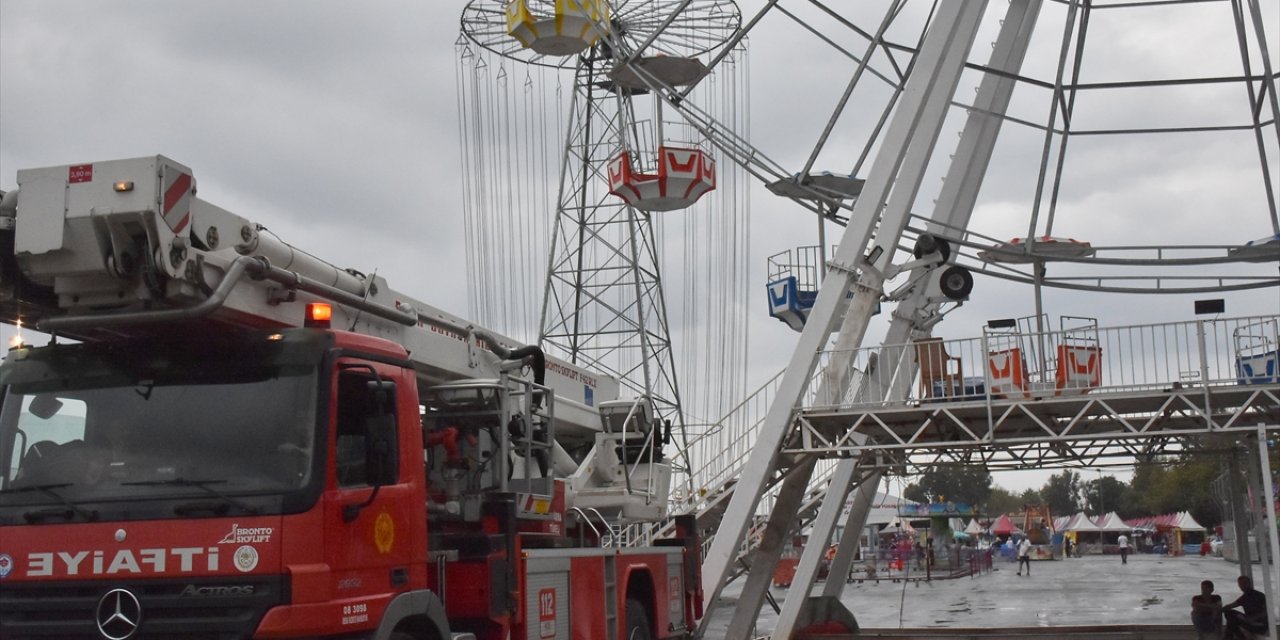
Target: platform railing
point(1075, 361)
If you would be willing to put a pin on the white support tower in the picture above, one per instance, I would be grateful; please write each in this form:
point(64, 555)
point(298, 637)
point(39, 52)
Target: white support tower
point(916, 314)
point(603, 303)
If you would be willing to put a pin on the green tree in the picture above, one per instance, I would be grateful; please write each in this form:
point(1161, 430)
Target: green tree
point(1106, 494)
point(1147, 488)
point(969, 484)
point(1029, 496)
point(1001, 500)
point(1182, 483)
point(1062, 492)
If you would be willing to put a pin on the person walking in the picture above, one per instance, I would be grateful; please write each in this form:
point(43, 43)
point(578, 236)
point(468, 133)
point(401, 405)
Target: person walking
point(1124, 549)
point(1024, 556)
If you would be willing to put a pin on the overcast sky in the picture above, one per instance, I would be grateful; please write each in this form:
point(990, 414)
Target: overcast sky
point(335, 124)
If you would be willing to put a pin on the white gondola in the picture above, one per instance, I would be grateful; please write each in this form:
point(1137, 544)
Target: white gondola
point(683, 175)
point(562, 28)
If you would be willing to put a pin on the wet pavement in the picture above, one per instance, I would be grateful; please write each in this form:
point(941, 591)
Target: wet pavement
point(1094, 590)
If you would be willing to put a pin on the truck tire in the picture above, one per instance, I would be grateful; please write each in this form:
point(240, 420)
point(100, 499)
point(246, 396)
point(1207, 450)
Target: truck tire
point(637, 621)
point(415, 635)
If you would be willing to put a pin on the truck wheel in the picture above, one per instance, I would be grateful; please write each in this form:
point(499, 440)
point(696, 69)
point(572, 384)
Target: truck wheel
point(637, 621)
point(419, 634)
point(956, 283)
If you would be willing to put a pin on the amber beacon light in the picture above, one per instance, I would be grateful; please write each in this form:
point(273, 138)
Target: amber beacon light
point(318, 315)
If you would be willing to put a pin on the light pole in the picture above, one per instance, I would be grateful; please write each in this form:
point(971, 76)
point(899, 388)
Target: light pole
point(1102, 505)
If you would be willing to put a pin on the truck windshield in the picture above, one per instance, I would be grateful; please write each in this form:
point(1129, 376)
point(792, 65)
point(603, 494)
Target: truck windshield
point(203, 429)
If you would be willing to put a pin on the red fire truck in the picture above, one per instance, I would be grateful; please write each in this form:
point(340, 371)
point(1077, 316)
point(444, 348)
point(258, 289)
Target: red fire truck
point(228, 437)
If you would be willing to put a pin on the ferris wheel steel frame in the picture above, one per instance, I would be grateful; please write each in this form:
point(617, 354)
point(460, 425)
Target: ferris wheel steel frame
point(601, 247)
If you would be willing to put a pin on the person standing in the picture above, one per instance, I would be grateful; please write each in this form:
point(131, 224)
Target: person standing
point(1024, 555)
point(1254, 617)
point(1206, 612)
point(1124, 549)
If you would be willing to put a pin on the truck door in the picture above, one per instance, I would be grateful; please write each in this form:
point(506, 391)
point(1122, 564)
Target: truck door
point(368, 507)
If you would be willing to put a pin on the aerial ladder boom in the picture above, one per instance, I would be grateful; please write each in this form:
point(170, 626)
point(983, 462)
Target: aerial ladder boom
point(358, 462)
point(125, 248)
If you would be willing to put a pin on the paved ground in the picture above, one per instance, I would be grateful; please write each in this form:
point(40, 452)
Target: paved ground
point(1097, 590)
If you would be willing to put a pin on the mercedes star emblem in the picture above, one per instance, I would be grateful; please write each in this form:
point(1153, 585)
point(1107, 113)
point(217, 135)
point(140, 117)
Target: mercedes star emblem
point(119, 614)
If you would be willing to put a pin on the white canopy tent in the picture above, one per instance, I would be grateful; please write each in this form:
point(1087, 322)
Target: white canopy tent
point(1087, 534)
point(1081, 523)
point(1111, 523)
point(1187, 523)
point(973, 528)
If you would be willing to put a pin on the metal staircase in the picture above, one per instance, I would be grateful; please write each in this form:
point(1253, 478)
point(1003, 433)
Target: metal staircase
point(721, 453)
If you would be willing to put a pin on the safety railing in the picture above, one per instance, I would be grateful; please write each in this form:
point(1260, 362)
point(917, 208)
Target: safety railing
point(909, 563)
point(801, 263)
point(1079, 359)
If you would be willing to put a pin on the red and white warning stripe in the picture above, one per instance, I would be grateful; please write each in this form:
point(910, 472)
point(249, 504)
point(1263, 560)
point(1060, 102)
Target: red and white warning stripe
point(178, 188)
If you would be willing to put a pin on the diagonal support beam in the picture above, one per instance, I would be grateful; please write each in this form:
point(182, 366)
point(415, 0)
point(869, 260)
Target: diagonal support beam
point(863, 498)
point(765, 558)
point(815, 548)
point(928, 91)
